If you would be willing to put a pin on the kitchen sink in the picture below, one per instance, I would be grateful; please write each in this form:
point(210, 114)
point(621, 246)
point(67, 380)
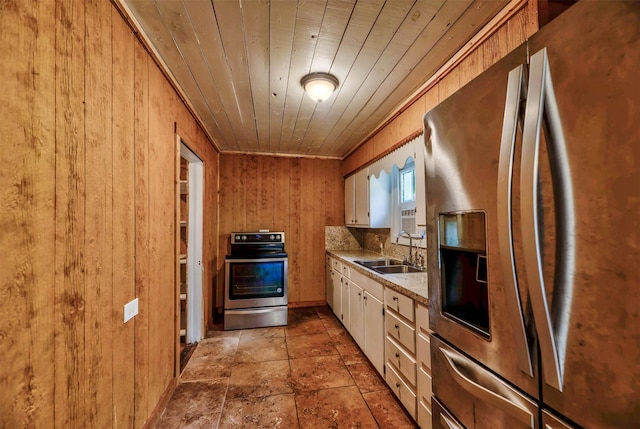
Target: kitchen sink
point(397, 269)
point(378, 262)
point(389, 266)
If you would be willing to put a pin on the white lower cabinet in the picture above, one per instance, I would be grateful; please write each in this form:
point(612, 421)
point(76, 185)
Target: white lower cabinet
point(374, 331)
point(366, 318)
point(423, 356)
point(356, 316)
point(401, 367)
point(329, 281)
point(344, 317)
point(402, 390)
point(337, 291)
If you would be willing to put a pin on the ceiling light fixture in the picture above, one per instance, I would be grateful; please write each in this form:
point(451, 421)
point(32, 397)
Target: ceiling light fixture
point(319, 86)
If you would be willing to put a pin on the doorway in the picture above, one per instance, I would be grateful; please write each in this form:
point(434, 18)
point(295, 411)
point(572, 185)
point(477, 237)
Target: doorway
point(190, 273)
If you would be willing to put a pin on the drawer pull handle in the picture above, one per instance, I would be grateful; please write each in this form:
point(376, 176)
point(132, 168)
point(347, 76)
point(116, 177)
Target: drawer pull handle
point(397, 355)
point(395, 298)
point(398, 385)
point(396, 326)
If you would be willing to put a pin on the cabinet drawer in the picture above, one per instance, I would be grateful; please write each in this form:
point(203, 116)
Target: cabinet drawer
point(424, 416)
point(401, 332)
point(337, 265)
point(346, 271)
point(402, 390)
point(423, 351)
point(399, 303)
point(422, 319)
point(404, 363)
point(425, 386)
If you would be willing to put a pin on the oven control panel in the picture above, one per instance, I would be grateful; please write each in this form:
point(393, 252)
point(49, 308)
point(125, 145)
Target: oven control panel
point(257, 237)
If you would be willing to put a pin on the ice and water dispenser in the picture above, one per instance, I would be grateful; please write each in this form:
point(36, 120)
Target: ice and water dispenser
point(463, 267)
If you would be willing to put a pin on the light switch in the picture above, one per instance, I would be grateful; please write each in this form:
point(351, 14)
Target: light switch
point(130, 310)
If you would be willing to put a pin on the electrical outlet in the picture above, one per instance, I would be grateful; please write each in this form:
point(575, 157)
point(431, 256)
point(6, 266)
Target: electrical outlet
point(130, 310)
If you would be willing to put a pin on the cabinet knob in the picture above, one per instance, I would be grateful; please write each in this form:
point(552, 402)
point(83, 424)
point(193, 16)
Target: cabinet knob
point(396, 326)
point(395, 298)
point(398, 385)
point(365, 297)
point(397, 355)
point(359, 294)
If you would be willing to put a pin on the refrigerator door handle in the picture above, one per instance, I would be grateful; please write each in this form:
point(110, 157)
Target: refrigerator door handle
point(553, 339)
point(446, 421)
point(515, 91)
point(494, 391)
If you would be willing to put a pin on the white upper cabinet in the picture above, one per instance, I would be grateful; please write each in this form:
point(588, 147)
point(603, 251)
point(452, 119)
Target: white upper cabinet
point(367, 200)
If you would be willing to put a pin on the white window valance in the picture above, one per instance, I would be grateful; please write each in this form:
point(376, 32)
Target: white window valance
point(411, 149)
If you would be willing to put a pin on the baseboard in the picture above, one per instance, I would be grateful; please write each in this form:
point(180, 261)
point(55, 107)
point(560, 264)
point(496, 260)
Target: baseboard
point(152, 421)
point(300, 304)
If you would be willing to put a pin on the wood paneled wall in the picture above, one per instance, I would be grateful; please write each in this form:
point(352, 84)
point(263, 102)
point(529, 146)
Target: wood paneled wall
point(87, 218)
point(299, 196)
point(502, 41)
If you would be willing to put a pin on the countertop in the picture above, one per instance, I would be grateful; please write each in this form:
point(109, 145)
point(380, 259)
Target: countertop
point(413, 285)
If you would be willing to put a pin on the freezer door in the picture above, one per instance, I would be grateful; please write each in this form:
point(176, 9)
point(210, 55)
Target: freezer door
point(582, 263)
point(442, 419)
point(476, 397)
point(462, 156)
point(551, 422)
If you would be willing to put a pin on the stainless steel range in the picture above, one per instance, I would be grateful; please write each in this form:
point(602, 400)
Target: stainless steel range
point(256, 281)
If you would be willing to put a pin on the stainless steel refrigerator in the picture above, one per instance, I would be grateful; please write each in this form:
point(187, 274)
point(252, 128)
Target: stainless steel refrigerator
point(533, 227)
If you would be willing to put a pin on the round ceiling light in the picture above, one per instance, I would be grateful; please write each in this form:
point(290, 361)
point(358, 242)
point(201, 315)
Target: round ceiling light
point(319, 86)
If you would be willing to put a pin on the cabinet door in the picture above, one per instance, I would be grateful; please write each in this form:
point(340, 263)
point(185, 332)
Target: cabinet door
point(344, 317)
point(362, 197)
point(356, 328)
point(329, 282)
point(374, 331)
point(350, 200)
point(337, 293)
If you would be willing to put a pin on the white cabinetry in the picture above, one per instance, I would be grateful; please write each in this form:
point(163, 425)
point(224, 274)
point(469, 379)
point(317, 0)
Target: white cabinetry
point(423, 355)
point(374, 329)
point(367, 200)
point(336, 272)
point(400, 348)
point(329, 280)
point(356, 316)
point(356, 199)
point(367, 318)
point(344, 293)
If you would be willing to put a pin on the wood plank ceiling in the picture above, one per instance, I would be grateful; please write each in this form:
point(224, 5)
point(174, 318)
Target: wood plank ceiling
point(239, 63)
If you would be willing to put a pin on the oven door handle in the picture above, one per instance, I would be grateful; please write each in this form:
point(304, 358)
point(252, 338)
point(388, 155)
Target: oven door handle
point(252, 310)
point(254, 260)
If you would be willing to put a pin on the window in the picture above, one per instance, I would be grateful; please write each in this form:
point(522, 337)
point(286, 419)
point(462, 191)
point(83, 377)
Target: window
point(408, 185)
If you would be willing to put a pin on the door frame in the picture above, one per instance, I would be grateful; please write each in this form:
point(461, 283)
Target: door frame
point(195, 229)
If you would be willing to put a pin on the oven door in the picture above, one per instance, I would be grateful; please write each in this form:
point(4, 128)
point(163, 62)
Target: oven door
point(260, 282)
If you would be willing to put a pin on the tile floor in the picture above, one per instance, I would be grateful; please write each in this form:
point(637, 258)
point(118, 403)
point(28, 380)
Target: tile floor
point(309, 374)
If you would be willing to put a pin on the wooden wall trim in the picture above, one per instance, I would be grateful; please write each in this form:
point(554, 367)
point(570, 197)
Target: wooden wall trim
point(280, 155)
point(387, 151)
point(487, 31)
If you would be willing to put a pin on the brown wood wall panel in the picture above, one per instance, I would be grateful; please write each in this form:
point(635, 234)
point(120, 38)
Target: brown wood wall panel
point(505, 38)
point(142, 404)
point(99, 233)
point(87, 219)
point(299, 196)
point(124, 216)
point(70, 282)
point(27, 215)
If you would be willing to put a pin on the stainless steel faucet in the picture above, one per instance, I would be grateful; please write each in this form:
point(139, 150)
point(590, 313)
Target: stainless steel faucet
point(405, 234)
